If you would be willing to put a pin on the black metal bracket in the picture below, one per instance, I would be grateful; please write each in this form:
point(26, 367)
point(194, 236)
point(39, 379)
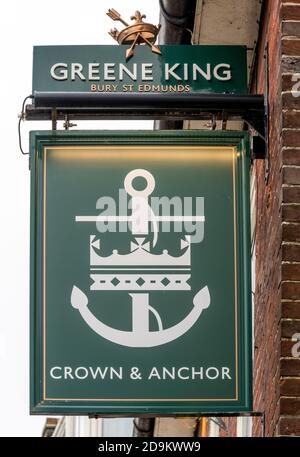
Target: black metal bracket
point(169, 106)
point(54, 118)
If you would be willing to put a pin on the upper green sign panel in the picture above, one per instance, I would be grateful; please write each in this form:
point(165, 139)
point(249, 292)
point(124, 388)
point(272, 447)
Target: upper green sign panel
point(140, 281)
point(181, 69)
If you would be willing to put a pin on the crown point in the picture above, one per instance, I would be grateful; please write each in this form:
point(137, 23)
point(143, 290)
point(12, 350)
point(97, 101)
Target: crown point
point(184, 243)
point(139, 254)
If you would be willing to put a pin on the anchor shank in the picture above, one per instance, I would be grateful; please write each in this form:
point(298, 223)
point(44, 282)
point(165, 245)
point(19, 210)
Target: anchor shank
point(140, 313)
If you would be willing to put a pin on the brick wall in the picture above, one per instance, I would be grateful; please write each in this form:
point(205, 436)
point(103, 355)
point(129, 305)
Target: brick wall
point(267, 306)
point(277, 296)
point(277, 249)
point(289, 404)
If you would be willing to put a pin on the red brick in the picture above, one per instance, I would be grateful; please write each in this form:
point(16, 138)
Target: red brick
point(290, 367)
point(291, 119)
point(291, 232)
point(287, 83)
point(291, 194)
point(290, 406)
point(291, 252)
point(289, 426)
point(291, 310)
point(291, 12)
point(291, 137)
point(290, 387)
point(291, 175)
point(286, 347)
point(290, 271)
point(290, 290)
point(291, 47)
point(291, 156)
point(291, 29)
point(289, 328)
point(291, 213)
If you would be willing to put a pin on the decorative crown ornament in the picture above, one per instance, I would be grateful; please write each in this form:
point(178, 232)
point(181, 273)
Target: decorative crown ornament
point(138, 33)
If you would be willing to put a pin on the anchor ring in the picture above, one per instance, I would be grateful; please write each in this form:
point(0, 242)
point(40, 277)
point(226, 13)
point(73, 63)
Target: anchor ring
point(139, 173)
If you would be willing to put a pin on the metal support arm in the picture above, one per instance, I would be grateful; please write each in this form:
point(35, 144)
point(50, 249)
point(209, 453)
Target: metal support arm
point(169, 106)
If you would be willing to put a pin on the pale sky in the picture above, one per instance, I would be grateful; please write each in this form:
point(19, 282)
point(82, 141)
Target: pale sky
point(24, 24)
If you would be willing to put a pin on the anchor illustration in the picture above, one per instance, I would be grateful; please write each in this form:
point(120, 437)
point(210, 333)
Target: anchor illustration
point(159, 273)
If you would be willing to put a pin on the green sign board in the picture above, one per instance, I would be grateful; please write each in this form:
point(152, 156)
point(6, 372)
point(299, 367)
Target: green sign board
point(140, 275)
point(179, 69)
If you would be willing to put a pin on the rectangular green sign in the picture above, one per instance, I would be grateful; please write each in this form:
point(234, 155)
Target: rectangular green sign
point(181, 69)
point(140, 276)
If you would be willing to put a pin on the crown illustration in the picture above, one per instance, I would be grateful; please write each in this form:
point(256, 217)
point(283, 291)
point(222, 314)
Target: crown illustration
point(158, 269)
point(138, 33)
point(140, 255)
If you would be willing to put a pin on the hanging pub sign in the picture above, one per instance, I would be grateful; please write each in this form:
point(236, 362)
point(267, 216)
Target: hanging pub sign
point(176, 69)
point(140, 275)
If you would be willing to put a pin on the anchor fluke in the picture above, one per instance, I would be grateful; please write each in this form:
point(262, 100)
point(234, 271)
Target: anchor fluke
point(202, 298)
point(78, 299)
point(141, 336)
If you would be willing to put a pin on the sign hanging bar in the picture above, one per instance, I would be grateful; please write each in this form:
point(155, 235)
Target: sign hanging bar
point(93, 106)
point(133, 101)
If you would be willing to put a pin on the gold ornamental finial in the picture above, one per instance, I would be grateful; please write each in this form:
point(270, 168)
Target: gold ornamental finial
point(138, 33)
